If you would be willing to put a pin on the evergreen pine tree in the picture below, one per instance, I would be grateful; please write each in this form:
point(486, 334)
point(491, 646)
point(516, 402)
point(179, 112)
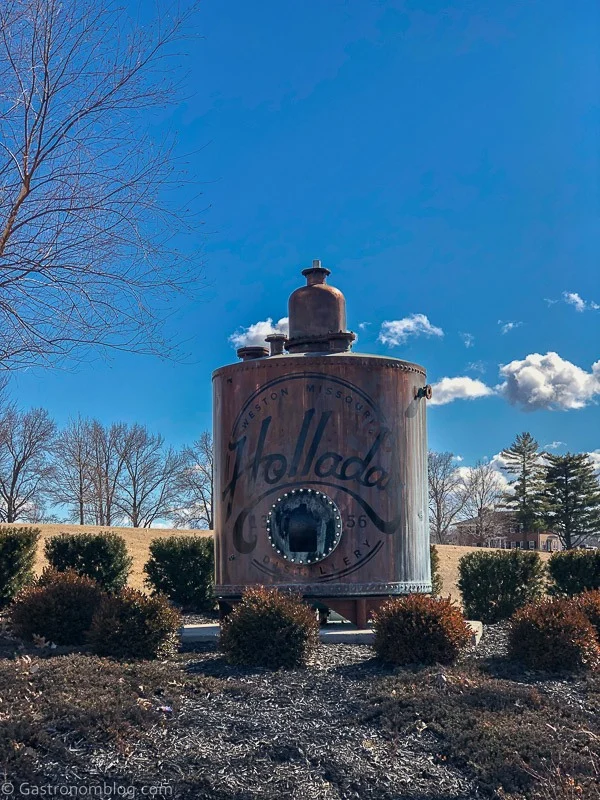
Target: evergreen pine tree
point(523, 459)
point(572, 498)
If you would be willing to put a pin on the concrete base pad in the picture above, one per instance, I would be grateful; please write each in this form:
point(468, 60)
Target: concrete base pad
point(333, 633)
point(200, 633)
point(476, 630)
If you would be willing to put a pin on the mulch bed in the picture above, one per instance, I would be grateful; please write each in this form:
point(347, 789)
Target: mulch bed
point(345, 727)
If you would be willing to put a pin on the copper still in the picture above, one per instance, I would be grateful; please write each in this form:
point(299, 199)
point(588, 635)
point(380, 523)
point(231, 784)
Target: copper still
point(321, 465)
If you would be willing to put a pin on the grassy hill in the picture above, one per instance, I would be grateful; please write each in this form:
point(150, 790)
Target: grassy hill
point(450, 555)
point(138, 541)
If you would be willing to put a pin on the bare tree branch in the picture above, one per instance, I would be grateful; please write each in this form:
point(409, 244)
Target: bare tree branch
point(148, 486)
point(87, 241)
point(447, 494)
point(106, 454)
point(72, 483)
point(197, 485)
point(26, 441)
point(484, 491)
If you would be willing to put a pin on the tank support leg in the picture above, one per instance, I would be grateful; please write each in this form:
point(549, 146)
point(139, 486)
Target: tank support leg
point(361, 613)
point(224, 609)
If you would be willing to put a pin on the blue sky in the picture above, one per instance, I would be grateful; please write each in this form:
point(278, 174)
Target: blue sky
point(440, 158)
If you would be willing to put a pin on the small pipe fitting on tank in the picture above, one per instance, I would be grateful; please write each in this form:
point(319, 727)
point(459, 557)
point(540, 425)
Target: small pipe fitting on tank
point(250, 353)
point(426, 392)
point(277, 342)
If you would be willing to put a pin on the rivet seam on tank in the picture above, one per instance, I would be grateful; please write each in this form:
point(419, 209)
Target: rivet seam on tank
point(264, 364)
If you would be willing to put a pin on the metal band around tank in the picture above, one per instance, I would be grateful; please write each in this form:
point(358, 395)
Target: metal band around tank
point(322, 360)
point(333, 589)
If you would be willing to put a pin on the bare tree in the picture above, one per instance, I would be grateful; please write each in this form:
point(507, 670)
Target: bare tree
point(484, 491)
point(447, 494)
point(149, 483)
point(72, 483)
point(197, 485)
point(25, 468)
point(85, 231)
point(106, 454)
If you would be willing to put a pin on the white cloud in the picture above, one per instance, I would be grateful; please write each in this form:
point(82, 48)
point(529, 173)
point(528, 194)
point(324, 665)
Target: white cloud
point(462, 388)
point(476, 366)
point(503, 482)
point(550, 302)
point(576, 300)
point(553, 445)
point(549, 382)
point(464, 472)
point(594, 457)
point(508, 326)
point(254, 335)
point(363, 325)
point(468, 339)
point(397, 331)
point(458, 458)
point(499, 463)
point(573, 299)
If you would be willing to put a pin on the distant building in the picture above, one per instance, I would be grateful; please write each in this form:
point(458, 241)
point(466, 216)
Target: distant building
point(534, 540)
point(500, 529)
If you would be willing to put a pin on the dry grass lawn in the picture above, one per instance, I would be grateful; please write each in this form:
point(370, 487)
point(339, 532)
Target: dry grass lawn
point(450, 555)
point(138, 541)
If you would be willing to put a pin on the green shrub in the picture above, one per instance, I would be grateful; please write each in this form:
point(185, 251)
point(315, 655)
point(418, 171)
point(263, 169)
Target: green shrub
point(182, 568)
point(100, 556)
point(132, 625)
point(59, 608)
point(574, 571)
point(494, 585)
point(555, 635)
point(419, 629)
point(18, 547)
point(269, 629)
point(589, 604)
point(436, 578)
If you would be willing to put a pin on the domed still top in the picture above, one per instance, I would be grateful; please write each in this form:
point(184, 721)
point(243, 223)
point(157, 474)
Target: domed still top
point(317, 314)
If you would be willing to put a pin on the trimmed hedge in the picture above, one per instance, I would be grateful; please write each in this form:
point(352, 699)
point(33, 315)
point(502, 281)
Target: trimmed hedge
point(419, 629)
point(182, 568)
point(18, 547)
point(101, 556)
point(589, 604)
point(555, 635)
point(574, 571)
point(494, 585)
point(132, 625)
point(59, 608)
point(436, 578)
point(269, 629)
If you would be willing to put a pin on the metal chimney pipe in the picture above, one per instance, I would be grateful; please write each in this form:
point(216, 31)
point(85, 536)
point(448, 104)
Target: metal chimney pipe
point(250, 353)
point(277, 342)
point(317, 314)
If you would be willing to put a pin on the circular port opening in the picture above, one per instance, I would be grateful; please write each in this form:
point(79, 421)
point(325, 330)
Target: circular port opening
point(304, 526)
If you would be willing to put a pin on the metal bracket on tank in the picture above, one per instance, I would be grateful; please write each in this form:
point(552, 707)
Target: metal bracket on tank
point(425, 391)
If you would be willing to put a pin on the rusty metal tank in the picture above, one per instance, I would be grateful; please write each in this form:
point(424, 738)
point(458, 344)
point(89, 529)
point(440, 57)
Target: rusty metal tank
point(321, 465)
